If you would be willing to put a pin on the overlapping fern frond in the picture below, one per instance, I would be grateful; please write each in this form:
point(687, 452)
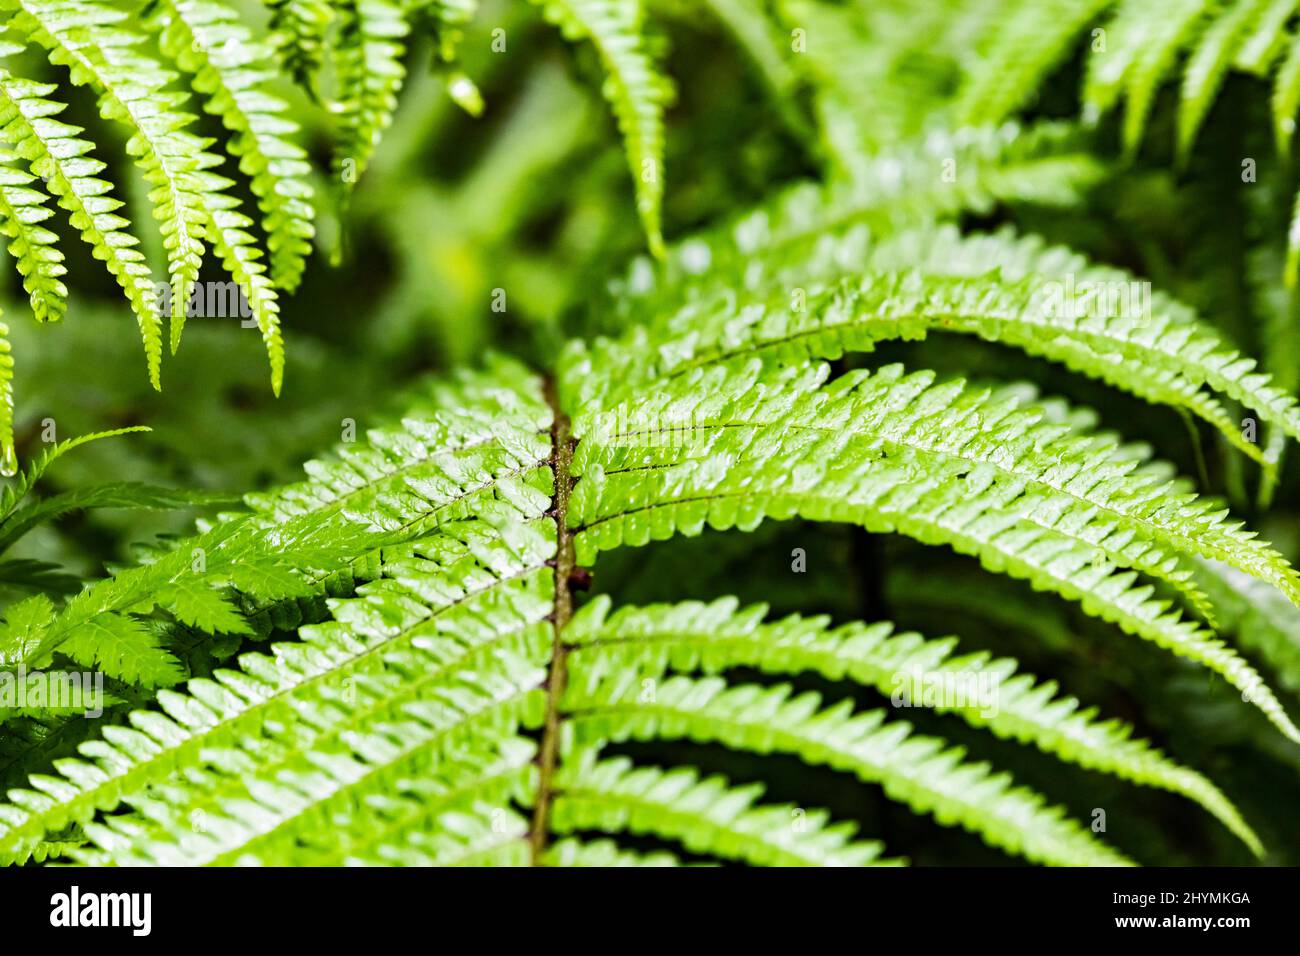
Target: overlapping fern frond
point(153, 65)
point(1134, 49)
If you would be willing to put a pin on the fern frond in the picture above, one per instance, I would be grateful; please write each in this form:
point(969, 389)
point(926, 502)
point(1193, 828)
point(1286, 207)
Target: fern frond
point(132, 88)
point(57, 155)
point(1135, 53)
point(449, 19)
point(1146, 44)
point(1059, 480)
point(124, 648)
point(708, 816)
point(232, 69)
point(833, 226)
point(893, 453)
point(191, 203)
point(488, 777)
point(1024, 44)
point(412, 645)
point(378, 681)
point(1129, 58)
point(408, 482)
point(39, 261)
point(482, 836)
point(1208, 65)
point(1266, 37)
point(452, 688)
point(445, 475)
point(634, 86)
point(446, 20)
point(13, 495)
point(115, 494)
point(915, 770)
point(908, 54)
point(8, 455)
point(715, 637)
point(266, 820)
point(1260, 619)
point(227, 229)
point(1045, 300)
point(603, 854)
point(299, 29)
point(1286, 98)
point(370, 72)
point(54, 850)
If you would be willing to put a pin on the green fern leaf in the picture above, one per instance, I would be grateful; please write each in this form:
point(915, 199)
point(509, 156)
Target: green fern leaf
point(1047, 301)
point(57, 155)
point(123, 648)
point(1265, 39)
point(1146, 43)
point(14, 494)
point(201, 607)
point(123, 494)
point(1208, 64)
point(708, 816)
point(861, 452)
point(499, 605)
point(39, 261)
point(370, 73)
point(1257, 615)
point(1026, 43)
point(232, 69)
point(715, 637)
point(1045, 164)
point(8, 455)
point(603, 854)
point(90, 41)
point(634, 87)
point(916, 770)
point(227, 228)
point(298, 29)
point(1286, 97)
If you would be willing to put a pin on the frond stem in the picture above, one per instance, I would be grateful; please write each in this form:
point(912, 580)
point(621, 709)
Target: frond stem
point(562, 445)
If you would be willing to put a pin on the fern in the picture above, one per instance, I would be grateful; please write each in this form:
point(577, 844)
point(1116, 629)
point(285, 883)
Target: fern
point(233, 71)
point(144, 60)
point(298, 30)
point(1133, 53)
point(370, 73)
point(448, 19)
point(389, 661)
point(32, 245)
point(98, 52)
point(458, 692)
point(707, 816)
point(56, 154)
point(634, 87)
point(998, 287)
point(8, 457)
point(719, 636)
